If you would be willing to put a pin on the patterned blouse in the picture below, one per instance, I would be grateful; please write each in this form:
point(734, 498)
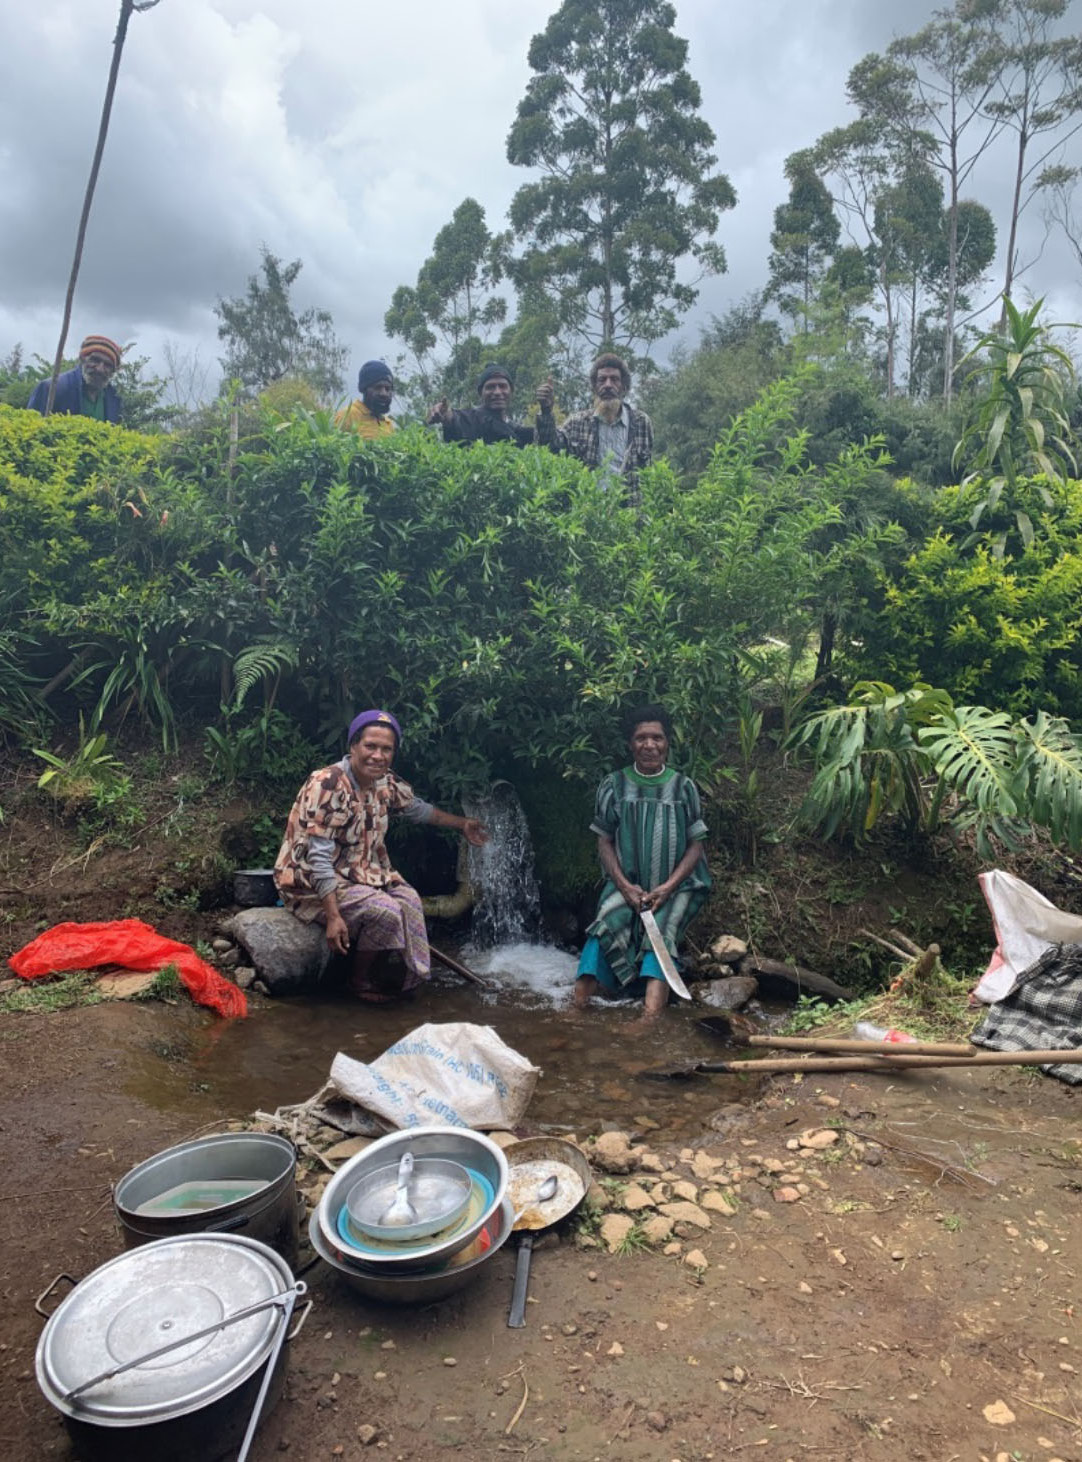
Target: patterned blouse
point(331, 806)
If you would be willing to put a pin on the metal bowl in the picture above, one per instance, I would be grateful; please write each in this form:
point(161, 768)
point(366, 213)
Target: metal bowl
point(439, 1191)
point(414, 1288)
point(461, 1145)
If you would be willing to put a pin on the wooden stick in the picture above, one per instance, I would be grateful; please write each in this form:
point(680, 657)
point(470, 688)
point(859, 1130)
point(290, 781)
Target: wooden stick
point(1072, 1057)
point(858, 1048)
point(456, 968)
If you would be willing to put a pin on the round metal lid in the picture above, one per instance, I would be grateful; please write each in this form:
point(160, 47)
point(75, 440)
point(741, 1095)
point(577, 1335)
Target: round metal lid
point(140, 1301)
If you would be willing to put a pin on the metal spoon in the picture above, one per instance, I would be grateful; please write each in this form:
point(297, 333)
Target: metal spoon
point(400, 1210)
point(545, 1191)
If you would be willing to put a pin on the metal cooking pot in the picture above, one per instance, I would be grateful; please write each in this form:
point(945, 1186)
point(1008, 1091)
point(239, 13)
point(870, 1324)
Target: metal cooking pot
point(254, 888)
point(418, 1288)
point(109, 1362)
point(460, 1144)
point(269, 1215)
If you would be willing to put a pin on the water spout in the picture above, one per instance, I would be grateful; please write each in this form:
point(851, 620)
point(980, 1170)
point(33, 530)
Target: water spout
point(508, 907)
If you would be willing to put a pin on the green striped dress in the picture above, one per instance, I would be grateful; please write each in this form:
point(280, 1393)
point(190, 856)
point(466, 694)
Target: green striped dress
point(651, 821)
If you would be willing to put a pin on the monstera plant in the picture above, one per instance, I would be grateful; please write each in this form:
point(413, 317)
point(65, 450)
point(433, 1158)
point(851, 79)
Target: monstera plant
point(915, 756)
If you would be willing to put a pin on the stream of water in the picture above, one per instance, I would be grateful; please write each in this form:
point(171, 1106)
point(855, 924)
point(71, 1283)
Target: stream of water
point(590, 1060)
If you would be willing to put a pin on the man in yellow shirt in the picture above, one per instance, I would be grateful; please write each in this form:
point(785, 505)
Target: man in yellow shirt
point(369, 417)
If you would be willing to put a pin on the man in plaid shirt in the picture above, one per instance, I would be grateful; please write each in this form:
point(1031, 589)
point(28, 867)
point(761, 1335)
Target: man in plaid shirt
point(612, 436)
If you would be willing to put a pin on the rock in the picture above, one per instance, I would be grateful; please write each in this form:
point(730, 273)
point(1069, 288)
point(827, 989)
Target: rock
point(367, 1434)
point(705, 1166)
point(727, 949)
point(686, 1213)
point(611, 1152)
point(449, 1360)
point(824, 1099)
point(615, 1348)
point(636, 1198)
point(229, 959)
point(773, 1165)
point(647, 1124)
point(730, 993)
point(672, 1249)
point(786, 1195)
point(999, 1414)
point(649, 1162)
point(260, 988)
point(221, 944)
point(657, 1230)
point(873, 1157)
point(686, 1190)
point(657, 1419)
point(350, 1148)
point(597, 1198)
point(244, 976)
point(696, 1259)
point(288, 955)
point(615, 1228)
point(804, 1287)
point(715, 1202)
point(818, 1138)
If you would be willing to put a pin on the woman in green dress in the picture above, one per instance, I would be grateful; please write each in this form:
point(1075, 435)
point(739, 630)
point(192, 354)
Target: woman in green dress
point(650, 838)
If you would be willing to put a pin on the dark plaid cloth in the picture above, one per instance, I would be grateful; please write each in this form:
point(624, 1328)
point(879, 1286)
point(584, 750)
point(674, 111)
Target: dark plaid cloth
point(580, 436)
point(1041, 1012)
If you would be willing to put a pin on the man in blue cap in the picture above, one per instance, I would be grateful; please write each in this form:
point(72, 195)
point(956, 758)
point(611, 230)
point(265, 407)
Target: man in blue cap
point(369, 417)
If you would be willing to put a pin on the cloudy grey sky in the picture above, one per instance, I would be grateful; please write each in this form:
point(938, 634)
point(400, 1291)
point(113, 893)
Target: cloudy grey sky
point(345, 134)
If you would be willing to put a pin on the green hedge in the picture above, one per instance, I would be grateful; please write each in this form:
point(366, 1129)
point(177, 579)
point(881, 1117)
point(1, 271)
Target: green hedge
point(997, 631)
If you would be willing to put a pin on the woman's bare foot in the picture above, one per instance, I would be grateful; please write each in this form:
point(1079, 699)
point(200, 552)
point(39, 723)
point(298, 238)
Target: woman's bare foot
point(585, 990)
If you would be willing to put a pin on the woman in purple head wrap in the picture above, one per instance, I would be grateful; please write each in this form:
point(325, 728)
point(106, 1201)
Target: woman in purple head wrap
point(333, 867)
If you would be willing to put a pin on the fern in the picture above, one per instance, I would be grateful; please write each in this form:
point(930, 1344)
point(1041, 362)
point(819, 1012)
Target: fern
point(259, 663)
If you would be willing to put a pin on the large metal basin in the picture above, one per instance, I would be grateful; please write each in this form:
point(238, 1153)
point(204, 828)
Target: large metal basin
point(415, 1288)
point(269, 1215)
point(459, 1144)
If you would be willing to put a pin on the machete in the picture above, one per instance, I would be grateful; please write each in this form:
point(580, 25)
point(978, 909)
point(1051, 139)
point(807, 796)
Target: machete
point(664, 958)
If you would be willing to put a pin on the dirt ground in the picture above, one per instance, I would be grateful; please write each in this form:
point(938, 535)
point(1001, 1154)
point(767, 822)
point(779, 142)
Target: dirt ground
point(899, 1308)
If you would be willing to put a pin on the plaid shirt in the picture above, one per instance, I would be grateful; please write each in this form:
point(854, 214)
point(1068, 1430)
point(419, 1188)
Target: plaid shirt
point(580, 437)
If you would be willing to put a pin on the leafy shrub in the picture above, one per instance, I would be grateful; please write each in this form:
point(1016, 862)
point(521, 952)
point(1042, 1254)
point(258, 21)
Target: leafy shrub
point(998, 630)
point(502, 602)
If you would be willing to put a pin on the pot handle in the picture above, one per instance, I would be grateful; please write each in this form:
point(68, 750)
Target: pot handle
point(270, 1366)
point(227, 1225)
point(44, 1295)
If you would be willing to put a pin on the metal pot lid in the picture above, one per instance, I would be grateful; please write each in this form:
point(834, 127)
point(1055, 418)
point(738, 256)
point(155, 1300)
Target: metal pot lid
point(143, 1299)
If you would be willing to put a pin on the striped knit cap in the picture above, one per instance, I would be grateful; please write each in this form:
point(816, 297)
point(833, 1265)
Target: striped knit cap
point(101, 345)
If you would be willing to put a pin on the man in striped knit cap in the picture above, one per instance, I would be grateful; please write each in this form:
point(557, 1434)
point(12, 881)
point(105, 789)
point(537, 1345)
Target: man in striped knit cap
point(85, 390)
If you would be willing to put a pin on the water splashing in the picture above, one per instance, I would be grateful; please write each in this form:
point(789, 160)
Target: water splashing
point(506, 924)
point(508, 910)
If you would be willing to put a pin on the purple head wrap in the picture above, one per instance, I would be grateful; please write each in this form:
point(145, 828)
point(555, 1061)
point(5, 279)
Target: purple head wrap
point(373, 718)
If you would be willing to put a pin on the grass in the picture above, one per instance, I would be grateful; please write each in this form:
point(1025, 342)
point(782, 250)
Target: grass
point(77, 987)
point(166, 985)
point(633, 1242)
point(933, 1008)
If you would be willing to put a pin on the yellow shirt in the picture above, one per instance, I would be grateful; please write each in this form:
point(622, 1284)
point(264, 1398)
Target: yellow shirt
point(357, 417)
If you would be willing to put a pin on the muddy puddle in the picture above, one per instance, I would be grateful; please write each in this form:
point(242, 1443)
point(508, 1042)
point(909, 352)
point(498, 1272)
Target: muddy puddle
point(589, 1060)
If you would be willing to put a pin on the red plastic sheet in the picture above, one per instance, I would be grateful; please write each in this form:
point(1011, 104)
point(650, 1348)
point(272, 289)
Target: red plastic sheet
point(134, 946)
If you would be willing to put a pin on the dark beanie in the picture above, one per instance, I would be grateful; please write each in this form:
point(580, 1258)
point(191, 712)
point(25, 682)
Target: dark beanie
point(491, 370)
point(373, 371)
